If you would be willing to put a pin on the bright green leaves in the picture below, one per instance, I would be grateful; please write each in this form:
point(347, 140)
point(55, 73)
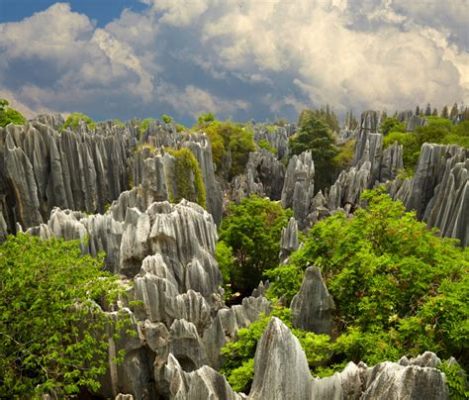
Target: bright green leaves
point(53, 335)
point(9, 115)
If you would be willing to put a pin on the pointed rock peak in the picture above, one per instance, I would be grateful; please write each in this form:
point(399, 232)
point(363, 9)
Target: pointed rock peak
point(313, 306)
point(281, 369)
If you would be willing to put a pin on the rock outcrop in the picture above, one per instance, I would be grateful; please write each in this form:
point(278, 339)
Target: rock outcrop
point(289, 240)
point(281, 369)
point(298, 188)
point(438, 191)
point(281, 372)
point(313, 306)
point(264, 176)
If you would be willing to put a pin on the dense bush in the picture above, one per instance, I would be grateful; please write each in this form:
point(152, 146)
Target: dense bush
point(253, 229)
point(52, 333)
point(9, 115)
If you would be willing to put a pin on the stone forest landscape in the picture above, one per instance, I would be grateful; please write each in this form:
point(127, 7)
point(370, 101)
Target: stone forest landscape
point(200, 200)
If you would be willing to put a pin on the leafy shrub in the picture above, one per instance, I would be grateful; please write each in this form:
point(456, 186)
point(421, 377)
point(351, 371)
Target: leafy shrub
point(9, 115)
point(253, 229)
point(52, 333)
point(74, 119)
point(264, 144)
point(166, 119)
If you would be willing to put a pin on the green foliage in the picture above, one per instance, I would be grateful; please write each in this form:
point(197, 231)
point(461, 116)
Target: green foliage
point(74, 119)
point(399, 289)
point(205, 119)
point(391, 124)
point(325, 114)
point(189, 183)
point(144, 125)
point(456, 379)
point(437, 130)
point(344, 157)
point(253, 229)
point(52, 333)
point(166, 119)
point(228, 138)
point(264, 144)
point(225, 259)
point(315, 135)
point(285, 282)
point(9, 115)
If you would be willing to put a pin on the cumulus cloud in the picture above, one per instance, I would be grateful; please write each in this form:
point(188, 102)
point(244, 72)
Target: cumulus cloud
point(240, 58)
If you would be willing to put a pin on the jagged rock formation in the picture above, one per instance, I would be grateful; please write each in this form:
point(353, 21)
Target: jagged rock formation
point(298, 188)
point(439, 189)
point(281, 372)
point(281, 368)
point(43, 168)
point(264, 176)
point(278, 139)
point(167, 251)
point(313, 306)
point(289, 240)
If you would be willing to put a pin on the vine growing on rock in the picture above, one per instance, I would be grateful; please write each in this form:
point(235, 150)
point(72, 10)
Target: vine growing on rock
point(53, 333)
point(189, 183)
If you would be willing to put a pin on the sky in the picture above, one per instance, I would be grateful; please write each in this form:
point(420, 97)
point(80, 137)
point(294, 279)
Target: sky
point(244, 60)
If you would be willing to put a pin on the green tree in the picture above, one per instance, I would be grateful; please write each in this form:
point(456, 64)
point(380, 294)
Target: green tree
point(391, 124)
point(314, 134)
point(253, 229)
point(445, 112)
point(454, 111)
point(52, 330)
point(9, 115)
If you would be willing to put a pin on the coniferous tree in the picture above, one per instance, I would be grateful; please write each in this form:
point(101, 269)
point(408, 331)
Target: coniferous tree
point(417, 110)
point(454, 111)
point(445, 112)
point(435, 112)
point(428, 110)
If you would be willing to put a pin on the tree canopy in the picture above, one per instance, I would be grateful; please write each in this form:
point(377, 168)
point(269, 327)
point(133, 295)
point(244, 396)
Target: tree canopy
point(252, 229)
point(52, 330)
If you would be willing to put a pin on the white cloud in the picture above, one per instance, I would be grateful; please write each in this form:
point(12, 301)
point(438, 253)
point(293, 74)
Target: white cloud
point(194, 101)
point(257, 56)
